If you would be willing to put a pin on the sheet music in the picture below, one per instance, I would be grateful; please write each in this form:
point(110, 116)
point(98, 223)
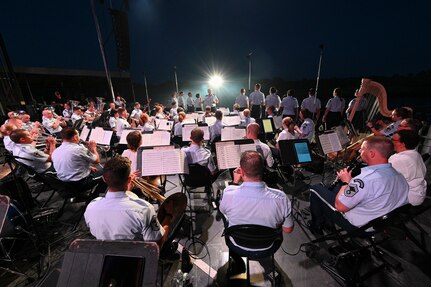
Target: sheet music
point(330, 142)
point(107, 136)
point(232, 120)
point(156, 138)
point(164, 124)
point(210, 120)
point(96, 135)
point(188, 121)
point(84, 133)
point(124, 134)
point(163, 161)
point(232, 133)
point(342, 136)
point(278, 122)
point(186, 132)
point(193, 116)
point(224, 110)
point(201, 117)
point(229, 154)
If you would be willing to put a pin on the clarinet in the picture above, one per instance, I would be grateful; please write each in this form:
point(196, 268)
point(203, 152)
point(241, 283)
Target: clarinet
point(352, 165)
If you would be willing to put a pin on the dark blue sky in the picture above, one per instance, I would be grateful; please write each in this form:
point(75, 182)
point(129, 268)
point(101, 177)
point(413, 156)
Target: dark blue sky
point(361, 38)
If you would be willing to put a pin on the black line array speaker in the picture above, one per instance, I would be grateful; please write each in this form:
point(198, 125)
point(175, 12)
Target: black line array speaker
point(121, 32)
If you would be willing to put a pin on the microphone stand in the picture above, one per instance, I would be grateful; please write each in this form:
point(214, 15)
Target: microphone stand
point(318, 73)
point(146, 92)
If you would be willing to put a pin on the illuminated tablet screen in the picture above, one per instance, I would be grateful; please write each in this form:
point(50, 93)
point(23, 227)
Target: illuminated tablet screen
point(267, 126)
point(302, 152)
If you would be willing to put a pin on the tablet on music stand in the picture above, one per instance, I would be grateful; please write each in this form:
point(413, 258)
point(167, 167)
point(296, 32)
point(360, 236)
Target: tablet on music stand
point(295, 151)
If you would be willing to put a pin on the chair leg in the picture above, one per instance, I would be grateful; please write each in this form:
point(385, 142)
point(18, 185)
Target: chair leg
point(273, 270)
point(248, 273)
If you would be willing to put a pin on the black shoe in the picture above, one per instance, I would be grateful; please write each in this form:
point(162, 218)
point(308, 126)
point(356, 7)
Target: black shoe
point(236, 266)
point(168, 252)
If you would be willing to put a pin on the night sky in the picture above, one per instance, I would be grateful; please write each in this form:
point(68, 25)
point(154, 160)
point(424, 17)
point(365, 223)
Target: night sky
point(200, 37)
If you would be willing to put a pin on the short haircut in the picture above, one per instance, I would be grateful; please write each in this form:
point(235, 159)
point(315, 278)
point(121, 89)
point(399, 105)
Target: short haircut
point(273, 90)
point(121, 110)
point(134, 140)
point(381, 144)
point(76, 108)
point(312, 91)
point(236, 107)
point(16, 135)
point(254, 129)
point(290, 92)
point(413, 124)
point(409, 138)
point(306, 113)
point(246, 112)
point(271, 108)
point(258, 86)
point(337, 91)
point(68, 133)
point(252, 164)
point(113, 112)
point(403, 113)
point(242, 90)
point(116, 172)
point(219, 115)
point(197, 135)
point(137, 103)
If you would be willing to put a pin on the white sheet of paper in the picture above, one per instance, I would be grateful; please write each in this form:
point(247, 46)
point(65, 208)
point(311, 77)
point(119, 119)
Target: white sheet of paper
point(278, 122)
point(163, 124)
point(229, 154)
point(124, 134)
point(84, 133)
point(232, 120)
point(232, 133)
point(156, 138)
point(163, 162)
point(210, 120)
point(330, 142)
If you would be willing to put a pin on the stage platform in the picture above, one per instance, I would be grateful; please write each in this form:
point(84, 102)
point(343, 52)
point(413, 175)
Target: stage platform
point(211, 254)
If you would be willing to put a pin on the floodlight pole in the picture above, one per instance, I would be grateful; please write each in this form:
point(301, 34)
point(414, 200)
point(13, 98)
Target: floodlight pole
point(102, 49)
point(176, 78)
point(318, 71)
point(146, 92)
point(249, 70)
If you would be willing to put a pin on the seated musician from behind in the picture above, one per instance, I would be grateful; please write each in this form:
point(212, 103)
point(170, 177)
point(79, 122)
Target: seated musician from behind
point(178, 128)
point(397, 116)
point(288, 132)
point(144, 123)
point(409, 163)
point(72, 161)
point(27, 154)
point(215, 129)
point(306, 131)
point(252, 132)
point(376, 191)
point(134, 141)
point(196, 153)
point(253, 202)
point(247, 119)
point(121, 215)
point(270, 112)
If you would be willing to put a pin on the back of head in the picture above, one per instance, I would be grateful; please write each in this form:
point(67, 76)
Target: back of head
point(409, 138)
point(197, 135)
point(67, 134)
point(290, 92)
point(312, 91)
point(181, 116)
point(121, 110)
point(337, 92)
point(253, 131)
point(287, 121)
point(273, 90)
point(306, 113)
point(17, 134)
point(410, 124)
point(145, 118)
point(382, 145)
point(252, 164)
point(257, 86)
point(219, 115)
point(403, 112)
point(134, 140)
point(116, 173)
point(246, 112)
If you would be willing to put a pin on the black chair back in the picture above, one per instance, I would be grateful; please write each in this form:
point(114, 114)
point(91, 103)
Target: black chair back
point(199, 176)
point(254, 236)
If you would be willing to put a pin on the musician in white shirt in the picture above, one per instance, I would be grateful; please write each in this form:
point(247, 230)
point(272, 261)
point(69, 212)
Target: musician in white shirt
point(190, 103)
point(134, 141)
point(122, 121)
point(242, 100)
point(289, 106)
point(273, 99)
point(312, 104)
point(137, 112)
point(257, 101)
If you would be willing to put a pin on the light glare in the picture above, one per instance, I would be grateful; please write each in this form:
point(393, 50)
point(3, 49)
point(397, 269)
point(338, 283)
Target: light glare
point(216, 81)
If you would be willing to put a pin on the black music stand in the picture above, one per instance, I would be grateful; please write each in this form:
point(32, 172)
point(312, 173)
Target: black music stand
point(100, 263)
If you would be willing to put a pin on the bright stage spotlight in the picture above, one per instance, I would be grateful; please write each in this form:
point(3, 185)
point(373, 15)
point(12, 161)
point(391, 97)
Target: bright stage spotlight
point(215, 81)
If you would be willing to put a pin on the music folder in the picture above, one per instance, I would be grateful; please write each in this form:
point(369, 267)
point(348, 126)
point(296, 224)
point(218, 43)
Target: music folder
point(156, 138)
point(233, 133)
point(100, 136)
point(124, 133)
point(234, 120)
point(84, 133)
point(164, 124)
point(187, 130)
point(209, 120)
point(162, 160)
point(229, 153)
